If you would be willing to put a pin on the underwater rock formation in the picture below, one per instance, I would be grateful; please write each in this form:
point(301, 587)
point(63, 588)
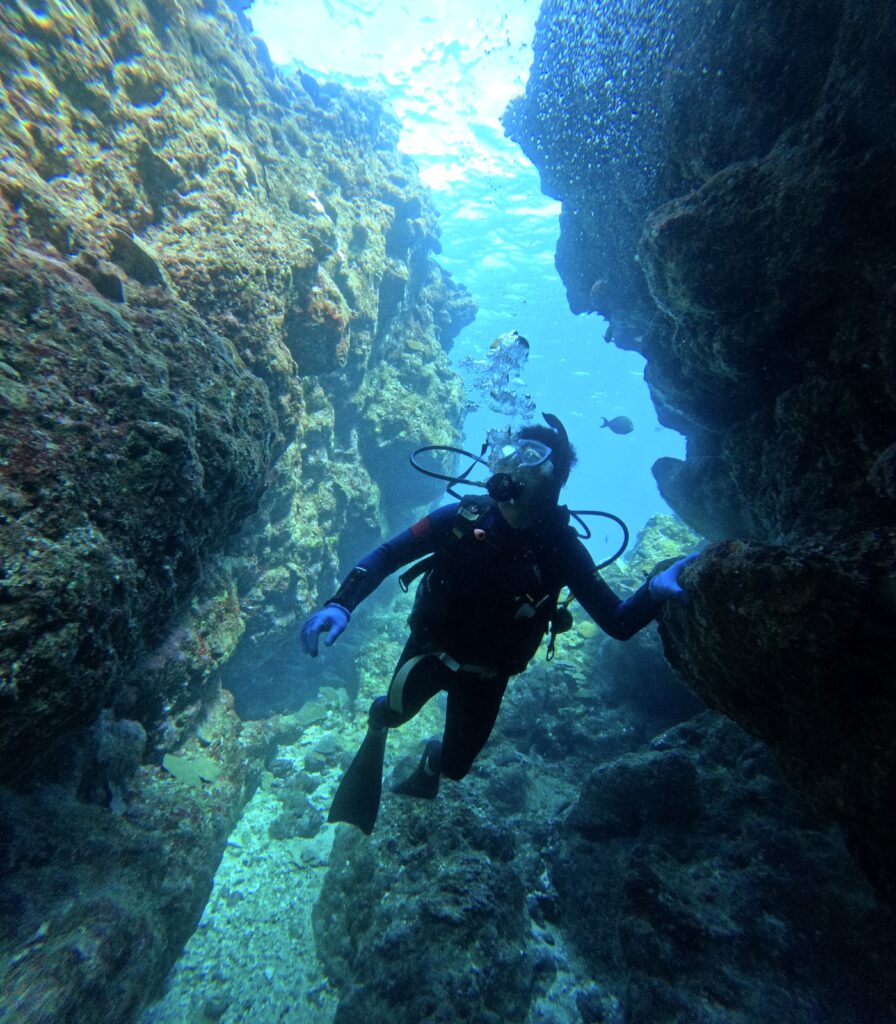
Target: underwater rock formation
point(403, 949)
point(223, 330)
point(97, 901)
point(688, 878)
point(590, 868)
point(727, 175)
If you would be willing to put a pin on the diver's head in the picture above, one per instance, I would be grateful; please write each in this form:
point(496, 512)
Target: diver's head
point(529, 468)
point(563, 455)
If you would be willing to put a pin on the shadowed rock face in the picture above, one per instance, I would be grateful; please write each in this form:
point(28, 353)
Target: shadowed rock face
point(220, 314)
point(688, 878)
point(222, 331)
point(728, 184)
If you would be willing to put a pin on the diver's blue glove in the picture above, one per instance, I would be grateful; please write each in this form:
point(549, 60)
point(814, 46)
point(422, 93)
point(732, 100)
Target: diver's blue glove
point(331, 619)
point(665, 586)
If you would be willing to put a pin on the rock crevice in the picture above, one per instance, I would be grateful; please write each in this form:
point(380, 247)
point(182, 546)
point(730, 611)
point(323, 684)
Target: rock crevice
point(727, 179)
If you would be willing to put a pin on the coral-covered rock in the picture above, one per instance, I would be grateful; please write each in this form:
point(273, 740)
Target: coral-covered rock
point(95, 904)
point(688, 878)
point(406, 943)
point(231, 232)
point(741, 237)
point(140, 446)
point(208, 269)
point(797, 651)
point(743, 246)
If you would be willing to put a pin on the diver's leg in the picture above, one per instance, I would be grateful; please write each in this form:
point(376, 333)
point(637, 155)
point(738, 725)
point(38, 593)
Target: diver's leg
point(473, 705)
point(418, 677)
point(422, 679)
point(357, 799)
point(424, 779)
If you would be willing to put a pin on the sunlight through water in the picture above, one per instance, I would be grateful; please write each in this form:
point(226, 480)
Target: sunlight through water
point(448, 74)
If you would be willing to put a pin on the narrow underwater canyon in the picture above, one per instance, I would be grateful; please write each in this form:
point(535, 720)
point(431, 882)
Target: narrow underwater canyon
point(225, 327)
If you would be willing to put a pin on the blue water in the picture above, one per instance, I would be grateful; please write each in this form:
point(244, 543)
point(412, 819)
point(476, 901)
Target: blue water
point(449, 71)
point(571, 370)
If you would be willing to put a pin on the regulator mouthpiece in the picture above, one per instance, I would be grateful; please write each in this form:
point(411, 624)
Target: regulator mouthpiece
point(503, 487)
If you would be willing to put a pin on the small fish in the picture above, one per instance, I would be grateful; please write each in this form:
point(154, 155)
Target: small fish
point(314, 202)
point(619, 424)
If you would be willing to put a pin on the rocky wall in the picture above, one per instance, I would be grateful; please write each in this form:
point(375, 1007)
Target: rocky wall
point(616, 854)
point(727, 178)
point(223, 329)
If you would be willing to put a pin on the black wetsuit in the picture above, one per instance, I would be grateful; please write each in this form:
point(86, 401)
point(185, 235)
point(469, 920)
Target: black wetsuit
point(481, 611)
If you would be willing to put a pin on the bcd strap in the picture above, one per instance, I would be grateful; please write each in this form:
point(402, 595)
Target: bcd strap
point(561, 622)
point(417, 569)
point(471, 509)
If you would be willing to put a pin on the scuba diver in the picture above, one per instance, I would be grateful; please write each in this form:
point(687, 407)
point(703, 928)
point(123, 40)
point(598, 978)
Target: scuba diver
point(492, 571)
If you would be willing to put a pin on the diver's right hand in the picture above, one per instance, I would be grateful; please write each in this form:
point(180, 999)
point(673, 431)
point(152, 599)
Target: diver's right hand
point(331, 619)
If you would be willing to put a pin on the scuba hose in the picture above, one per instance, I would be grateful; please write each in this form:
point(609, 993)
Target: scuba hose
point(561, 620)
point(502, 487)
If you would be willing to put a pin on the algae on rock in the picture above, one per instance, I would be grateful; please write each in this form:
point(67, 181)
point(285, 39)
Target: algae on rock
point(205, 265)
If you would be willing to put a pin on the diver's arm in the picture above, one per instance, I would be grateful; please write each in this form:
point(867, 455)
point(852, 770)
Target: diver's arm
point(617, 618)
point(418, 540)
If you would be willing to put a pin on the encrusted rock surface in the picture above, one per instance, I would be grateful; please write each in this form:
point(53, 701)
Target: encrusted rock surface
point(223, 330)
point(405, 942)
point(728, 179)
point(609, 858)
point(244, 361)
point(697, 886)
point(96, 901)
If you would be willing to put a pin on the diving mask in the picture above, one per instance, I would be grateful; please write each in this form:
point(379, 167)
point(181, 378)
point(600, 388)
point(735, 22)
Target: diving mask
point(508, 453)
point(516, 464)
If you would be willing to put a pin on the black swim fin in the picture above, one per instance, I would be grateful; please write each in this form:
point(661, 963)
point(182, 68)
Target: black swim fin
point(424, 779)
point(357, 799)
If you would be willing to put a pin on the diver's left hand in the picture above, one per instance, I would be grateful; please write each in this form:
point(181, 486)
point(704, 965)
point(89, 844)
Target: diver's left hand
point(665, 586)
